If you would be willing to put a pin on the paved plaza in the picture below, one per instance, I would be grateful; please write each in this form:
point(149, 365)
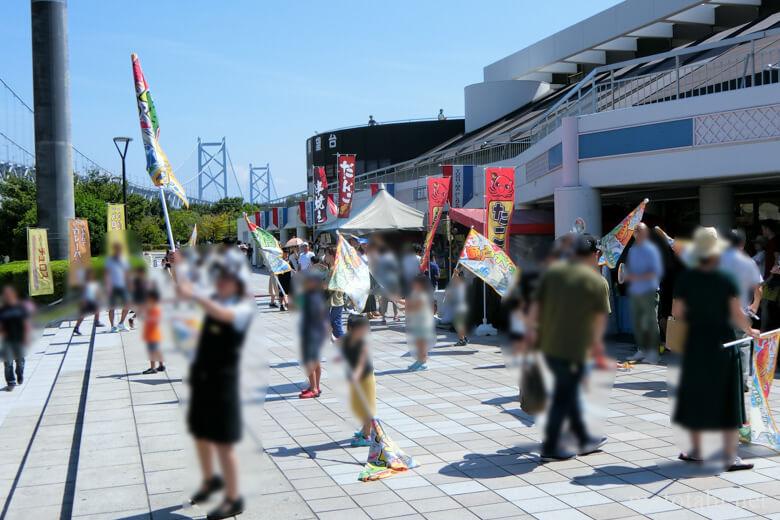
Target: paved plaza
point(87, 436)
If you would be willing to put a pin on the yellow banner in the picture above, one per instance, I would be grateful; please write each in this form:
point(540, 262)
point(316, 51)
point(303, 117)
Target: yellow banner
point(40, 277)
point(116, 217)
point(499, 218)
point(79, 254)
point(116, 227)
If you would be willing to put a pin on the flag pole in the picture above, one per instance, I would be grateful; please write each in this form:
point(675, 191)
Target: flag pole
point(167, 219)
point(485, 329)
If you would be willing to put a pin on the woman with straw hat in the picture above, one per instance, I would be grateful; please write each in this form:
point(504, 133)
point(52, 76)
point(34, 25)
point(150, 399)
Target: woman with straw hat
point(710, 395)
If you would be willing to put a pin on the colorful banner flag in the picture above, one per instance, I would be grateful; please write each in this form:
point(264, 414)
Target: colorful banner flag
point(157, 164)
point(346, 176)
point(438, 193)
point(614, 242)
point(269, 248)
point(266, 219)
point(40, 280)
point(488, 261)
point(193, 241)
point(763, 428)
point(79, 254)
point(259, 218)
point(499, 203)
point(333, 210)
point(389, 187)
point(385, 458)
point(302, 213)
point(350, 274)
point(462, 187)
point(320, 195)
point(275, 217)
point(284, 217)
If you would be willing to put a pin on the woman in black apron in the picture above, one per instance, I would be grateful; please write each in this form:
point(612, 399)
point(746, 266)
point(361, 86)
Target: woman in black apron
point(214, 416)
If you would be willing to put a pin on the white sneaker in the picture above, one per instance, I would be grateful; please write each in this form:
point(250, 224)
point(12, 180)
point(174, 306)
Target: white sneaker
point(114, 329)
point(638, 356)
point(122, 328)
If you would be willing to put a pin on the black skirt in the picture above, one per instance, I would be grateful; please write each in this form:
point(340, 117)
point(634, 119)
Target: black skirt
point(215, 405)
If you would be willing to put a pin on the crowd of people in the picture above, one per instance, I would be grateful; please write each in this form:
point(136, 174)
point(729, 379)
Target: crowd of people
point(561, 315)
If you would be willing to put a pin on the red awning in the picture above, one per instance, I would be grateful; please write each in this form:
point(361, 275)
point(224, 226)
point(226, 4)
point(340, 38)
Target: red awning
point(524, 221)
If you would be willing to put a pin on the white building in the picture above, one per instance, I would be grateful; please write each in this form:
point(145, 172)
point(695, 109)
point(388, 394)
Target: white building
point(675, 100)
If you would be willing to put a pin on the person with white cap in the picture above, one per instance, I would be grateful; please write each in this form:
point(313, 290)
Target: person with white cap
point(304, 257)
point(710, 392)
point(214, 416)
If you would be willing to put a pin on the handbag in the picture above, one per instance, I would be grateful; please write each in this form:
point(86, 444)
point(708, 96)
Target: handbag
point(533, 394)
point(676, 334)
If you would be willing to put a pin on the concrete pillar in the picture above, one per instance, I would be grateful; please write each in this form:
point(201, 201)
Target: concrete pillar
point(572, 202)
point(53, 153)
point(570, 144)
point(716, 207)
point(283, 238)
point(300, 232)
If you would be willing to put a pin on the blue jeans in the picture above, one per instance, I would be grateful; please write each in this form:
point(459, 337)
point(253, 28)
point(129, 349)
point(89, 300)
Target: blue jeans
point(335, 320)
point(13, 351)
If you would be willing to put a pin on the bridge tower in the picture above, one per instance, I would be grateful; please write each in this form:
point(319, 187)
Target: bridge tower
point(259, 183)
point(212, 167)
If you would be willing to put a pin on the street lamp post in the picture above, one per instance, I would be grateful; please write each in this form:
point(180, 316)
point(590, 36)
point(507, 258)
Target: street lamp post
point(121, 144)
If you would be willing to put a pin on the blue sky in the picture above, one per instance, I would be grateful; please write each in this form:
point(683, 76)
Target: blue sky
point(266, 75)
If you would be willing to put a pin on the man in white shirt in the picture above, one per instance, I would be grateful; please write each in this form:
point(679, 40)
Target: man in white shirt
point(304, 258)
point(738, 264)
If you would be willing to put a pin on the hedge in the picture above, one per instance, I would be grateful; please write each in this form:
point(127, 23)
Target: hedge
point(15, 273)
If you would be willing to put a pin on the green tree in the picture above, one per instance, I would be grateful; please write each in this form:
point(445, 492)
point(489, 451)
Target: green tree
point(182, 221)
point(149, 232)
point(17, 211)
point(214, 227)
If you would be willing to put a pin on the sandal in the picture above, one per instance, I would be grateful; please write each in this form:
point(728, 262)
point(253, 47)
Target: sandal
point(690, 457)
point(738, 465)
point(227, 509)
point(209, 487)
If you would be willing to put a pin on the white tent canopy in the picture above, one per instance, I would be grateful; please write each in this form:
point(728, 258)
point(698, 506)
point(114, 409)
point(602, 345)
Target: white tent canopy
point(383, 213)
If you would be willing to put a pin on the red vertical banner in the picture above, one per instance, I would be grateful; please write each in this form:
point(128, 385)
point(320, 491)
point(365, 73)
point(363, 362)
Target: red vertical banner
point(438, 194)
point(499, 203)
point(320, 195)
point(332, 208)
point(302, 212)
point(345, 165)
point(275, 217)
point(258, 219)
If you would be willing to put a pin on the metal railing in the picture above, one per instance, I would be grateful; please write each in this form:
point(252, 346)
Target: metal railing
point(694, 74)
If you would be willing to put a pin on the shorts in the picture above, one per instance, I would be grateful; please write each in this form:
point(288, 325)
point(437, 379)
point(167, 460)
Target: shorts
point(461, 320)
point(368, 386)
point(88, 307)
point(152, 347)
point(311, 349)
point(118, 298)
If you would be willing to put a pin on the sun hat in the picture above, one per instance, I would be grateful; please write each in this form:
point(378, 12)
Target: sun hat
point(707, 243)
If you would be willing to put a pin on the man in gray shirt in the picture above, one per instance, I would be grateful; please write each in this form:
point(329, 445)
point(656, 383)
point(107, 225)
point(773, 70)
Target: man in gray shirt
point(644, 271)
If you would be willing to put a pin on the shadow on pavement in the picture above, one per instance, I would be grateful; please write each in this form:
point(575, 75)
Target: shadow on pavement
point(512, 461)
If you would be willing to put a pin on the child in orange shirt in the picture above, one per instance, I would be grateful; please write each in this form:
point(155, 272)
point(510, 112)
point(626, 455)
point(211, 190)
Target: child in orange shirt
point(152, 332)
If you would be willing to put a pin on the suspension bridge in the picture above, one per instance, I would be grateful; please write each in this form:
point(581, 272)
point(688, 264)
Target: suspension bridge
point(212, 175)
